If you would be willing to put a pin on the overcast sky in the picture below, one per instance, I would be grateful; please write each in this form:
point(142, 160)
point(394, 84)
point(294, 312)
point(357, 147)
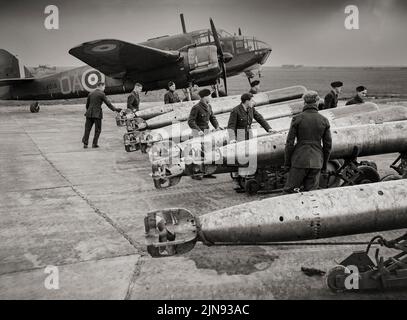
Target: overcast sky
point(299, 32)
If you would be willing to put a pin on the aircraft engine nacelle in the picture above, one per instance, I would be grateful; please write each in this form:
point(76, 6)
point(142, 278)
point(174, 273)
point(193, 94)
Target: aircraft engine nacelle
point(203, 63)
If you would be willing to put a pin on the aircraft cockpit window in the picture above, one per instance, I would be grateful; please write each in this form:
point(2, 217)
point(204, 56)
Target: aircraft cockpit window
point(240, 48)
point(223, 34)
point(227, 46)
point(261, 45)
point(249, 44)
point(202, 38)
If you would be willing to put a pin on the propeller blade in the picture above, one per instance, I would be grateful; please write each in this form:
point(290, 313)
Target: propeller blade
point(240, 32)
point(224, 76)
point(221, 56)
point(216, 38)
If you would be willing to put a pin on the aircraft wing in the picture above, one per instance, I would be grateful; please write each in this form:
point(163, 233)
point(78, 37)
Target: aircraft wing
point(13, 81)
point(115, 58)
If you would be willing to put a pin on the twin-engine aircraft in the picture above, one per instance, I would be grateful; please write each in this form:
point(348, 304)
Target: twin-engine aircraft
point(199, 57)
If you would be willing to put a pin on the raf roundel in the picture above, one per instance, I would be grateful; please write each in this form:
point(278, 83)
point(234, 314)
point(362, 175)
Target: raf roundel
point(104, 47)
point(90, 79)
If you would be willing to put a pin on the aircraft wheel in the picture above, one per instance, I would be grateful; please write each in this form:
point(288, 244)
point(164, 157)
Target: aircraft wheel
point(331, 279)
point(35, 107)
point(391, 177)
point(252, 187)
point(159, 183)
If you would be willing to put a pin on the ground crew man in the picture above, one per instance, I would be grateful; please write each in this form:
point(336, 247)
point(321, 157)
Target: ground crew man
point(171, 96)
point(331, 99)
point(361, 93)
point(94, 114)
point(255, 87)
point(201, 114)
point(133, 100)
point(307, 157)
point(194, 94)
point(241, 119)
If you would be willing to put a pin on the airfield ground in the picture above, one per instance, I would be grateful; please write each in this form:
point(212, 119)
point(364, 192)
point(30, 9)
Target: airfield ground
point(82, 210)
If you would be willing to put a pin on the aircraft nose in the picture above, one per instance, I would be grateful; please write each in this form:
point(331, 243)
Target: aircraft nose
point(263, 46)
point(265, 50)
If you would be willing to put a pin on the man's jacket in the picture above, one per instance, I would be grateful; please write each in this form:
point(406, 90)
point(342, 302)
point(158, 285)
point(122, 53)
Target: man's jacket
point(94, 104)
point(309, 129)
point(200, 116)
point(240, 123)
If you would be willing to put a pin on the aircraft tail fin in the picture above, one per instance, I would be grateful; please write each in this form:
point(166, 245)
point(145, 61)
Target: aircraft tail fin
point(11, 67)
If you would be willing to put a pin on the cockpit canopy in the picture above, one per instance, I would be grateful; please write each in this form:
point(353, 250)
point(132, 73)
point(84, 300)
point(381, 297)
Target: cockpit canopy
point(230, 43)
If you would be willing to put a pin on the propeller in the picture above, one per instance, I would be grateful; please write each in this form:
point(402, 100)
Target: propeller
point(221, 55)
point(240, 32)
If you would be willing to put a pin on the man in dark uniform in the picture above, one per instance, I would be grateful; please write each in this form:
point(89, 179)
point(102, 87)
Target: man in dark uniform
point(94, 114)
point(201, 114)
point(331, 99)
point(241, 119)
point(171, 96)
point(361, 93)
point(307, 157)
point(255, 87)
point(133, 100)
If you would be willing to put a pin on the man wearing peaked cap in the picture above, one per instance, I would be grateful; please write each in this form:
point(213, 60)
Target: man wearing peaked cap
point(201, 114)
point(255, 87)
point(171, 96)
point(304, 154)
point(361, 93)
point(331, 99)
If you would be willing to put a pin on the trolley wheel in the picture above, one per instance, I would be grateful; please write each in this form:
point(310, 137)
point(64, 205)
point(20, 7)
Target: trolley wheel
point(252, 186)
point(35, 107)
point(331, 279)
point(367, 174)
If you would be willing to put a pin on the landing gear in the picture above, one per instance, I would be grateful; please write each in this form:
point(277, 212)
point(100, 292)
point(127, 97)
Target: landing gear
point(35, 107)
point(249, 75)
point(218, 93)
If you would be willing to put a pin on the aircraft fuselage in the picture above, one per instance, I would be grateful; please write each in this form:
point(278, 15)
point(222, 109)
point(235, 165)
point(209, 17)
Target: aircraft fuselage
point(78, 82)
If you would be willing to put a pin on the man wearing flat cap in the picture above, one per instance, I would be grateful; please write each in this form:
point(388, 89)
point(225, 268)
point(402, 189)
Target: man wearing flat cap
point(171, 96)
point(361, 93)
point(255, 87)
point(241, 119)
point(201, 114)
point(331, 99)
point(307, 157)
